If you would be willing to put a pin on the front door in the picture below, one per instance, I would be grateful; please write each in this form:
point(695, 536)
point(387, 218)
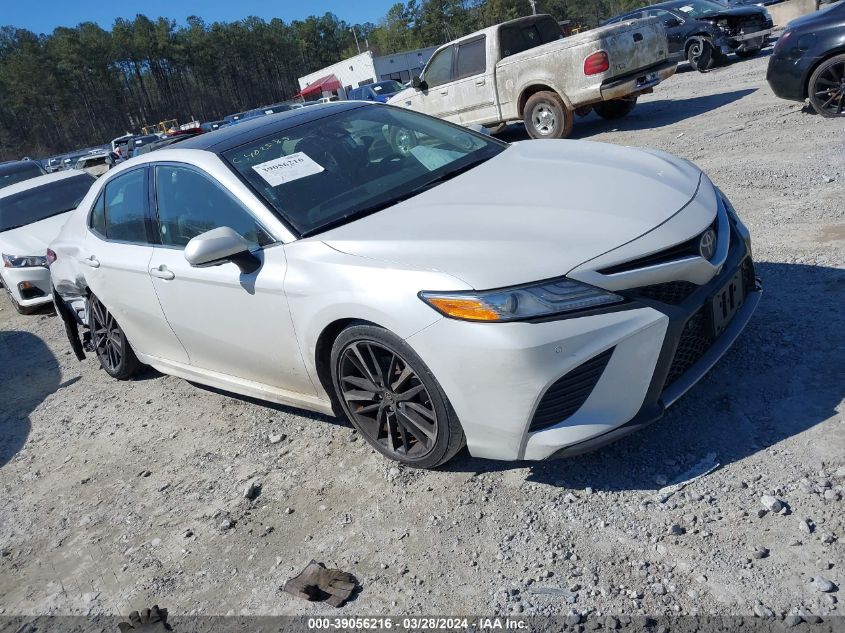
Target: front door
point(230, 322)
point(438, 97)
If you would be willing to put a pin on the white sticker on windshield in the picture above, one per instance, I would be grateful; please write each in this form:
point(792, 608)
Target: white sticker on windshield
point(686, 9)
point(286, 168)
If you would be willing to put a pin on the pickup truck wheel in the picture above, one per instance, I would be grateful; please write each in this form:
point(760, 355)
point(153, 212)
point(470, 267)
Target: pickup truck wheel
point(546, 116)
point(615, 109)
point(700, 54)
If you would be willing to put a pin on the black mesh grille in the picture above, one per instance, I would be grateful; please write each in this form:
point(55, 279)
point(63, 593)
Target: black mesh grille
point(672, 292)
point(567, 395)
point(694, 341)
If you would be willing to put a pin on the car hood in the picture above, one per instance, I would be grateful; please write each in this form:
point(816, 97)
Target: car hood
point(535, 211)
point(33, 239)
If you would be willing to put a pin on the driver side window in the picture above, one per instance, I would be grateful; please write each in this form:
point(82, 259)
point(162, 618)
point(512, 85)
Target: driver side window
point(189, 203)
point(439, 69)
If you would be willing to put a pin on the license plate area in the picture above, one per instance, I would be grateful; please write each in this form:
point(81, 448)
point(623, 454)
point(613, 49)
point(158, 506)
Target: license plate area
point(725, 304)
point(647, 79)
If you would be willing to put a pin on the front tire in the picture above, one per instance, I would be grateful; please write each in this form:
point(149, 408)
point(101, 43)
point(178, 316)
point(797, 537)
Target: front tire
point(700, 54)
point(615, 109)
point(393, 399)
point(546, 116)
point(113, 350)
point(826, 87)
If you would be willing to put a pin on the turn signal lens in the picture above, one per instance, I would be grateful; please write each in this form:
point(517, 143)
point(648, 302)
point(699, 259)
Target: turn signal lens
point(469, 309)
point(596, 63)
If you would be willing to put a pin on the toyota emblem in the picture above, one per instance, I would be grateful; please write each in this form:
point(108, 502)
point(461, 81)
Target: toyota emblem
point(707, 244)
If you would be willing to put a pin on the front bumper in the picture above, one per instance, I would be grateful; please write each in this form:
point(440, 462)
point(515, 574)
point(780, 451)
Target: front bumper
point(496, 376)
point(639, 82)
point(29, 286)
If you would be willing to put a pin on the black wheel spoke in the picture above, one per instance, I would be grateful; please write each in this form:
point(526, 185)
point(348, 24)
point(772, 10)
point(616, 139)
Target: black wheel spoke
point(386, 399)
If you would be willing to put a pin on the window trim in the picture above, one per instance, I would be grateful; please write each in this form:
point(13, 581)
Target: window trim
point(102, 194)
point(457, 54)
point(155, 220)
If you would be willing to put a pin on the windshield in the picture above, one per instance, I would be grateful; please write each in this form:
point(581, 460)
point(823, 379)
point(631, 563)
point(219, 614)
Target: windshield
point(386, 87)
point(43, 202)
point(340, 167)
point(18, 172)
point(699, 8)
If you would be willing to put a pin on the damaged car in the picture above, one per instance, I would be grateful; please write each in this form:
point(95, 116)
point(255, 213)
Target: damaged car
point(436, 286)
point(705, 32)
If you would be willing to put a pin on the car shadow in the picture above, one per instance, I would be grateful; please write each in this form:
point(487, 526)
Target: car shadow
point(29, 372)
point(647, 115)
point(784, 375)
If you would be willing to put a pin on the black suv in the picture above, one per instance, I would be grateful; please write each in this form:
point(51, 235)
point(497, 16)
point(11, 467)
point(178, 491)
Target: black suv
point(705, 32)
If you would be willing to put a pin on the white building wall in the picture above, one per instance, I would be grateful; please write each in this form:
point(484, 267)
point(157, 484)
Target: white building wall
point(402, 66)
point(350, 72)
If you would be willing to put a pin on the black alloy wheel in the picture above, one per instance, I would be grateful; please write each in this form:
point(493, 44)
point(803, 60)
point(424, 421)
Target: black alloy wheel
point(392, 399)
point(110, 344)
point(827, 87)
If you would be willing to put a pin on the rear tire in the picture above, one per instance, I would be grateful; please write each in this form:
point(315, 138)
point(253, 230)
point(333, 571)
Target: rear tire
point(615, 109)
point(114, 352)
point(826, 87)
point(392, 398)
point(546, 116)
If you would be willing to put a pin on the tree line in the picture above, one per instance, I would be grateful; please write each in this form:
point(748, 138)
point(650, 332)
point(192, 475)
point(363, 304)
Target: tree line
point(83, 85)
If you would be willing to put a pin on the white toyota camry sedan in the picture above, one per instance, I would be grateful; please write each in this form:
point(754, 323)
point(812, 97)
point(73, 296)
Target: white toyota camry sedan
point(436, 286)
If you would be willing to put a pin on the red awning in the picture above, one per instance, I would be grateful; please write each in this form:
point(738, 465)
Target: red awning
point(329, 83)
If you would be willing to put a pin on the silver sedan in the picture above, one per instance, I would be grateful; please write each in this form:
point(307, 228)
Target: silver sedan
point(436, 286)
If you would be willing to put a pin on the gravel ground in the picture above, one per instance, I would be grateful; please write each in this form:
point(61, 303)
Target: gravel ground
point(119, 495)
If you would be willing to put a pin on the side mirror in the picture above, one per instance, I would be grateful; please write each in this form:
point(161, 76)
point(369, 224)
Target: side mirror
point(671, 23)
point(419, 84)
point(219, 246)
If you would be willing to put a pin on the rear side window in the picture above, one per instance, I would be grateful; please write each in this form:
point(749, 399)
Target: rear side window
point(189, 203)
point(439, 69)
point(126, 203)
point(523, 36)
point(472, 58)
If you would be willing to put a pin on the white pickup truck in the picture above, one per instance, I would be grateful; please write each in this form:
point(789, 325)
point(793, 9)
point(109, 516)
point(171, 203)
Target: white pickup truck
point(526, 70)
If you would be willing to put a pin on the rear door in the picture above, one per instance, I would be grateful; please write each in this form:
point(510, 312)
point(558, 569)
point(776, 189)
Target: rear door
point(232, 323)
point(474, 83)
point(118, 247)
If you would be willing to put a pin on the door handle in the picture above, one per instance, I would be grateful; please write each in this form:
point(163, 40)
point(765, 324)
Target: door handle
point(480, 82)
point(444, 92)
point(162, 272)
point(92, 261)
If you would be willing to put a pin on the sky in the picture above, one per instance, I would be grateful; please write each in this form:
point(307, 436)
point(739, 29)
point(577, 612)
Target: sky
point(42, 16)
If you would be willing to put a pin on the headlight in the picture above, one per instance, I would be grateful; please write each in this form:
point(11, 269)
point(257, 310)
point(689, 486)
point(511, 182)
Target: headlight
point(545, 298)
point(23, 261)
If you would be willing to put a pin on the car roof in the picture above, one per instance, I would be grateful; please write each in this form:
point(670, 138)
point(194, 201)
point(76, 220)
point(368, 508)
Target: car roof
point(248, 130)
point(38, 181)
point(12, 166)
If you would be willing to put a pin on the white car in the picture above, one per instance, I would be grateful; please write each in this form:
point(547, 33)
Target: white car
point(431, 283)
point(31, 214)
point(95, 164)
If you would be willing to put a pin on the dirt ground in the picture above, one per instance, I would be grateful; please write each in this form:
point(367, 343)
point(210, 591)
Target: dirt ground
point(119, 495)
